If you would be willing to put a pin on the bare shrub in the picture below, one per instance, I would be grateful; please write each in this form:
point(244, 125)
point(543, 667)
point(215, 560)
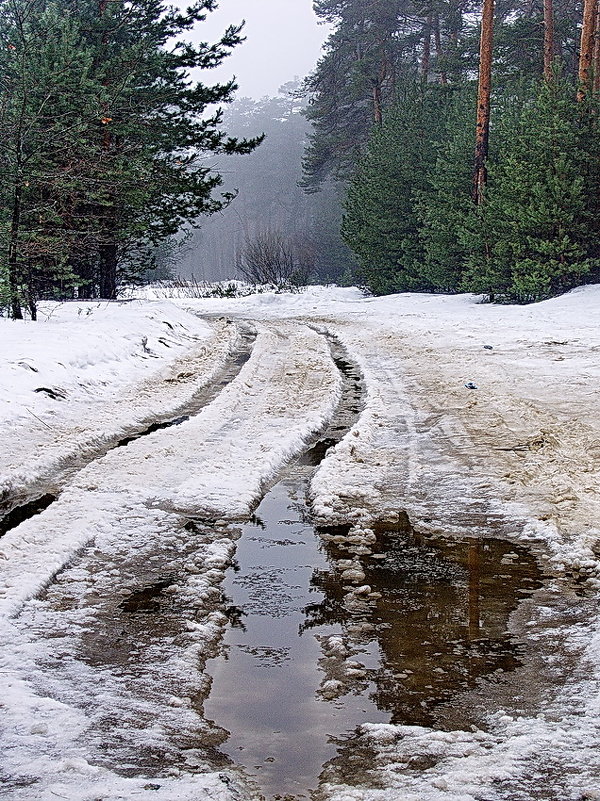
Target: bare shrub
point(271, 258)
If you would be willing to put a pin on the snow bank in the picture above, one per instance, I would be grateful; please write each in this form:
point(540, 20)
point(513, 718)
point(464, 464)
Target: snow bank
point(89, 374)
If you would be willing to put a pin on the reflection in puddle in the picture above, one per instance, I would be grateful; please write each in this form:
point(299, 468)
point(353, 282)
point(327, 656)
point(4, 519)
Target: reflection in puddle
point(320, 648)
point(438, 612)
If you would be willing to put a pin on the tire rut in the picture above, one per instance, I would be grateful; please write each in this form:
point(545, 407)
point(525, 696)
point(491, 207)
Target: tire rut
point(39, 496)
point(158, 612)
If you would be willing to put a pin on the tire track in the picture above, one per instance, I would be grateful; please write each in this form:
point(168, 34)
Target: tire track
point(27, 503)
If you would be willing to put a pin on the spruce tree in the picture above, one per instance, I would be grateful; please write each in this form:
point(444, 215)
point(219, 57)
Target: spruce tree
point(47, 97)
point(533, 239)
point(445, 204)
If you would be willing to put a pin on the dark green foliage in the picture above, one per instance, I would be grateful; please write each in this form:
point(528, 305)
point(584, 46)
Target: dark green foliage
point(445, 204)
point(103, 139)
point(382, 222)
point(367, 54)
point(410, 217)
point(411, 220)
point(536, 235)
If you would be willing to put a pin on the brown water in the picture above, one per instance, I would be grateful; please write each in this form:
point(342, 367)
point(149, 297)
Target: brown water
point(289, 696)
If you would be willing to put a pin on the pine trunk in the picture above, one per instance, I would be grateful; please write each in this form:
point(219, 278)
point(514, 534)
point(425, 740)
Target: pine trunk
point(377, 107)
point(437, 37)
point(586, 52)
point(13, 256)
point(596, 58)
point(548, 40)
point(108, 271)
point(482, 130)
point(426, 59)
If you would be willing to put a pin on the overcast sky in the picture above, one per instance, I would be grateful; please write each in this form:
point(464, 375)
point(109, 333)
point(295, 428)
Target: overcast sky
point(283, 40)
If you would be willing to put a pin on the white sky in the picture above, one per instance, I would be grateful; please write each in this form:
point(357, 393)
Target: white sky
point(283, 40)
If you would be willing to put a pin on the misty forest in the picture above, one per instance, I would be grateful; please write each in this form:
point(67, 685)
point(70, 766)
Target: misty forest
point(300, 465)
point(425, 152)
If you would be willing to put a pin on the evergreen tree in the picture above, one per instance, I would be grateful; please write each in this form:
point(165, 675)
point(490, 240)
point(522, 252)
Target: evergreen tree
point(103, 141)
point(47, 97)
point(446, 204)
point(152, 150)
point(535, 233)
point(373, 47)
point(381, 224)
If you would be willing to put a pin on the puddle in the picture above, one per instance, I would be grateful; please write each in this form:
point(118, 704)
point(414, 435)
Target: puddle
point(438, 616)
point(306, 659)
point(303, 667)
point(23, 512)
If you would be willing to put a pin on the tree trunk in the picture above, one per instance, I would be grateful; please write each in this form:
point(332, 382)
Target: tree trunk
point(482, 130)
point(13, 255)
point(548, 41)
point(108, 271)
point(437, 37)
point(596, 57)
point(426, 59)
point(586, 51)
point(377, 108)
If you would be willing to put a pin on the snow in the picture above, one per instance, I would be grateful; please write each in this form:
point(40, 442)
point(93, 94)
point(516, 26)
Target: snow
point(115, 366)
point(517, 457)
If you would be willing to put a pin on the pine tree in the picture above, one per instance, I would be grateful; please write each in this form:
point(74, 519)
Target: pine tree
point(533, 235)
point(381, 223)
point(48, 94)
point(372, 49)
point(446, 204)
point(482, 126)
point(103, 139)
point(586, 49)
point(151, 152)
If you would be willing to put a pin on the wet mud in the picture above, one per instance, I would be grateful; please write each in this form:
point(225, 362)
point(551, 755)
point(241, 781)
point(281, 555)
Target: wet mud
point(307, 660)
point(21, 513)
point(313, 652)
point(327, 631)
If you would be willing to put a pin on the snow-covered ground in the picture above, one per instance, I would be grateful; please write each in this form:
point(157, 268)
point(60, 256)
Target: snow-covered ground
point(517, 456)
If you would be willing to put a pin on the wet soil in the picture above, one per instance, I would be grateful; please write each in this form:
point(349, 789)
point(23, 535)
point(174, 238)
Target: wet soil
point(303, 667)
point(21, 513)
point(307, 659)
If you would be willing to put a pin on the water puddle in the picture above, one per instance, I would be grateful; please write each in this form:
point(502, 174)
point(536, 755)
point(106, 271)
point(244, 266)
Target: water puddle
point(307, 660)
point(437, 615)
point(328, 633)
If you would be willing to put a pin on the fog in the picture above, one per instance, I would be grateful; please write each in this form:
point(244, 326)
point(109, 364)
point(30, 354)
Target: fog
point(283, 41)
point(283, 44)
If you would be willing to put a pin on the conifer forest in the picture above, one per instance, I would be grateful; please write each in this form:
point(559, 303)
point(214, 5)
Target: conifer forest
point(468, 139)
point(447, 147)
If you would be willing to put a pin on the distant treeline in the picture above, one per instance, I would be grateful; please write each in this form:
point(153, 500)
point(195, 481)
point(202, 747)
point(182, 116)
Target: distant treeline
point(273, 231)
